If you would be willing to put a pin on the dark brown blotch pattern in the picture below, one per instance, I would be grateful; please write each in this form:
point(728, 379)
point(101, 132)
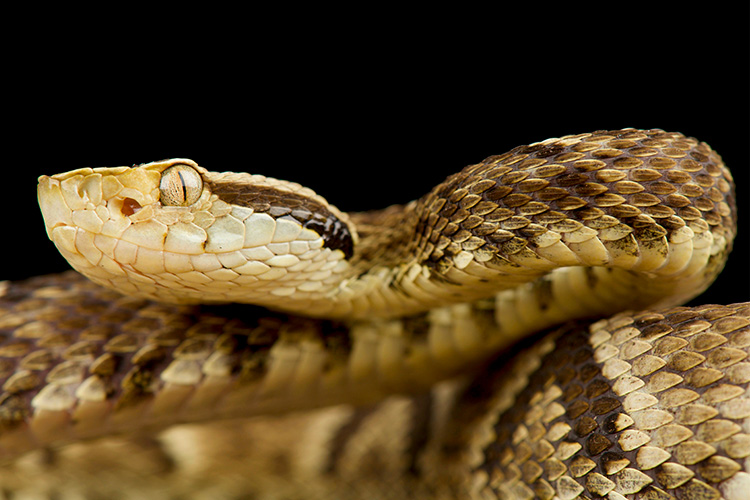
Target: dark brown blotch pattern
point(77, 331)
point(636, 406)
point(307, 212)
point(652, 181)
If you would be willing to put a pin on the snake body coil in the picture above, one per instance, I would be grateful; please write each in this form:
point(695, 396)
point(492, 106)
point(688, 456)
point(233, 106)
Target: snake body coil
point(382, 367)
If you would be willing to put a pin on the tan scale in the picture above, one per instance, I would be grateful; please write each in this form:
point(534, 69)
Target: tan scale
point(656, 442)
point(384, 368)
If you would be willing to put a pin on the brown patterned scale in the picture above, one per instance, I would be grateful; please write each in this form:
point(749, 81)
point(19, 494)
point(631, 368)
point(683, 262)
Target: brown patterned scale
point(653, 405)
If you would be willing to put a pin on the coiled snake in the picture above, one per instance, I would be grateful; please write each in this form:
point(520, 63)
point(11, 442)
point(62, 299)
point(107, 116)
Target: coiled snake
point(375, 360)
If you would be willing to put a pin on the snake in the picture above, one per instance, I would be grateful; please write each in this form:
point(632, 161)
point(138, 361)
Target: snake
point(515, 333)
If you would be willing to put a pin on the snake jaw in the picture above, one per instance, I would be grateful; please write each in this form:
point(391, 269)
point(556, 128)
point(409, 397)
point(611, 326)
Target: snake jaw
point(119, 228)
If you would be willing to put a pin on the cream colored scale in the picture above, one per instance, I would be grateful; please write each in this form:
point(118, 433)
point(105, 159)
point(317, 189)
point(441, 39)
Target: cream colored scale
point(133, 230)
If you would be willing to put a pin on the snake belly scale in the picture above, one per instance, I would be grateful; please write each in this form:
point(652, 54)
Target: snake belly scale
point(240, 337)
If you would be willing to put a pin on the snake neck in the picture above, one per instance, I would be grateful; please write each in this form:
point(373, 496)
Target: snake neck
point(543, 226)
point(387, 237)
point(406, 262)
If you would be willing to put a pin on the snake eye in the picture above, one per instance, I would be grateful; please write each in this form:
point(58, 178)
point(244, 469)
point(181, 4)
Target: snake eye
point(180, 186)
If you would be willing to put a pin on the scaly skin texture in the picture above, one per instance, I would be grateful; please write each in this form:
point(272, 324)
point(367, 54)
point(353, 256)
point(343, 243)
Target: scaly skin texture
point(653, 203)
point(110, 396)
point(653, 403)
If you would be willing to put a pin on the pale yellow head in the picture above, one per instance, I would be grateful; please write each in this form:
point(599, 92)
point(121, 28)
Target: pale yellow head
point(175, 232)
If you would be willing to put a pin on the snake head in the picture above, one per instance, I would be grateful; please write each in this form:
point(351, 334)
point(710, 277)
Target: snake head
point(175, 232)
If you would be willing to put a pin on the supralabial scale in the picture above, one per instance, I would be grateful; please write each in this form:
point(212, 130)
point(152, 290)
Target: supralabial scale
point(513, 334)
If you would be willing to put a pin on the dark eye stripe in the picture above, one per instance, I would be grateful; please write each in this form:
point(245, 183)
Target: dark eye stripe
point(309, 213)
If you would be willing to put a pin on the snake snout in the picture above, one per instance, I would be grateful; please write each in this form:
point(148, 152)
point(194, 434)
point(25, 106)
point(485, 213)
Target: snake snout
point(54, 210)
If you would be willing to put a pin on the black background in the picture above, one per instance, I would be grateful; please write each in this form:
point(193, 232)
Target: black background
point(368, 114)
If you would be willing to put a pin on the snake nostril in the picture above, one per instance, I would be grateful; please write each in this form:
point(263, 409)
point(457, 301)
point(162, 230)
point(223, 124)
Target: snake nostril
point(129, 206)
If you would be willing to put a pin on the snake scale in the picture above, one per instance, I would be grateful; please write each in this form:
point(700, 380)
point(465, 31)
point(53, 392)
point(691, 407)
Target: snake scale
point(516, 333)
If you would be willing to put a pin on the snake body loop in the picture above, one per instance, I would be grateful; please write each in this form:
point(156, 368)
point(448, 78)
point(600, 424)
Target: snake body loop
point(381, 367)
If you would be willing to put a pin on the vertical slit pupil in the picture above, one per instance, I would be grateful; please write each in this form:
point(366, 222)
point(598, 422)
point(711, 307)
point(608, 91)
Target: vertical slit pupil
point(184, 186)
